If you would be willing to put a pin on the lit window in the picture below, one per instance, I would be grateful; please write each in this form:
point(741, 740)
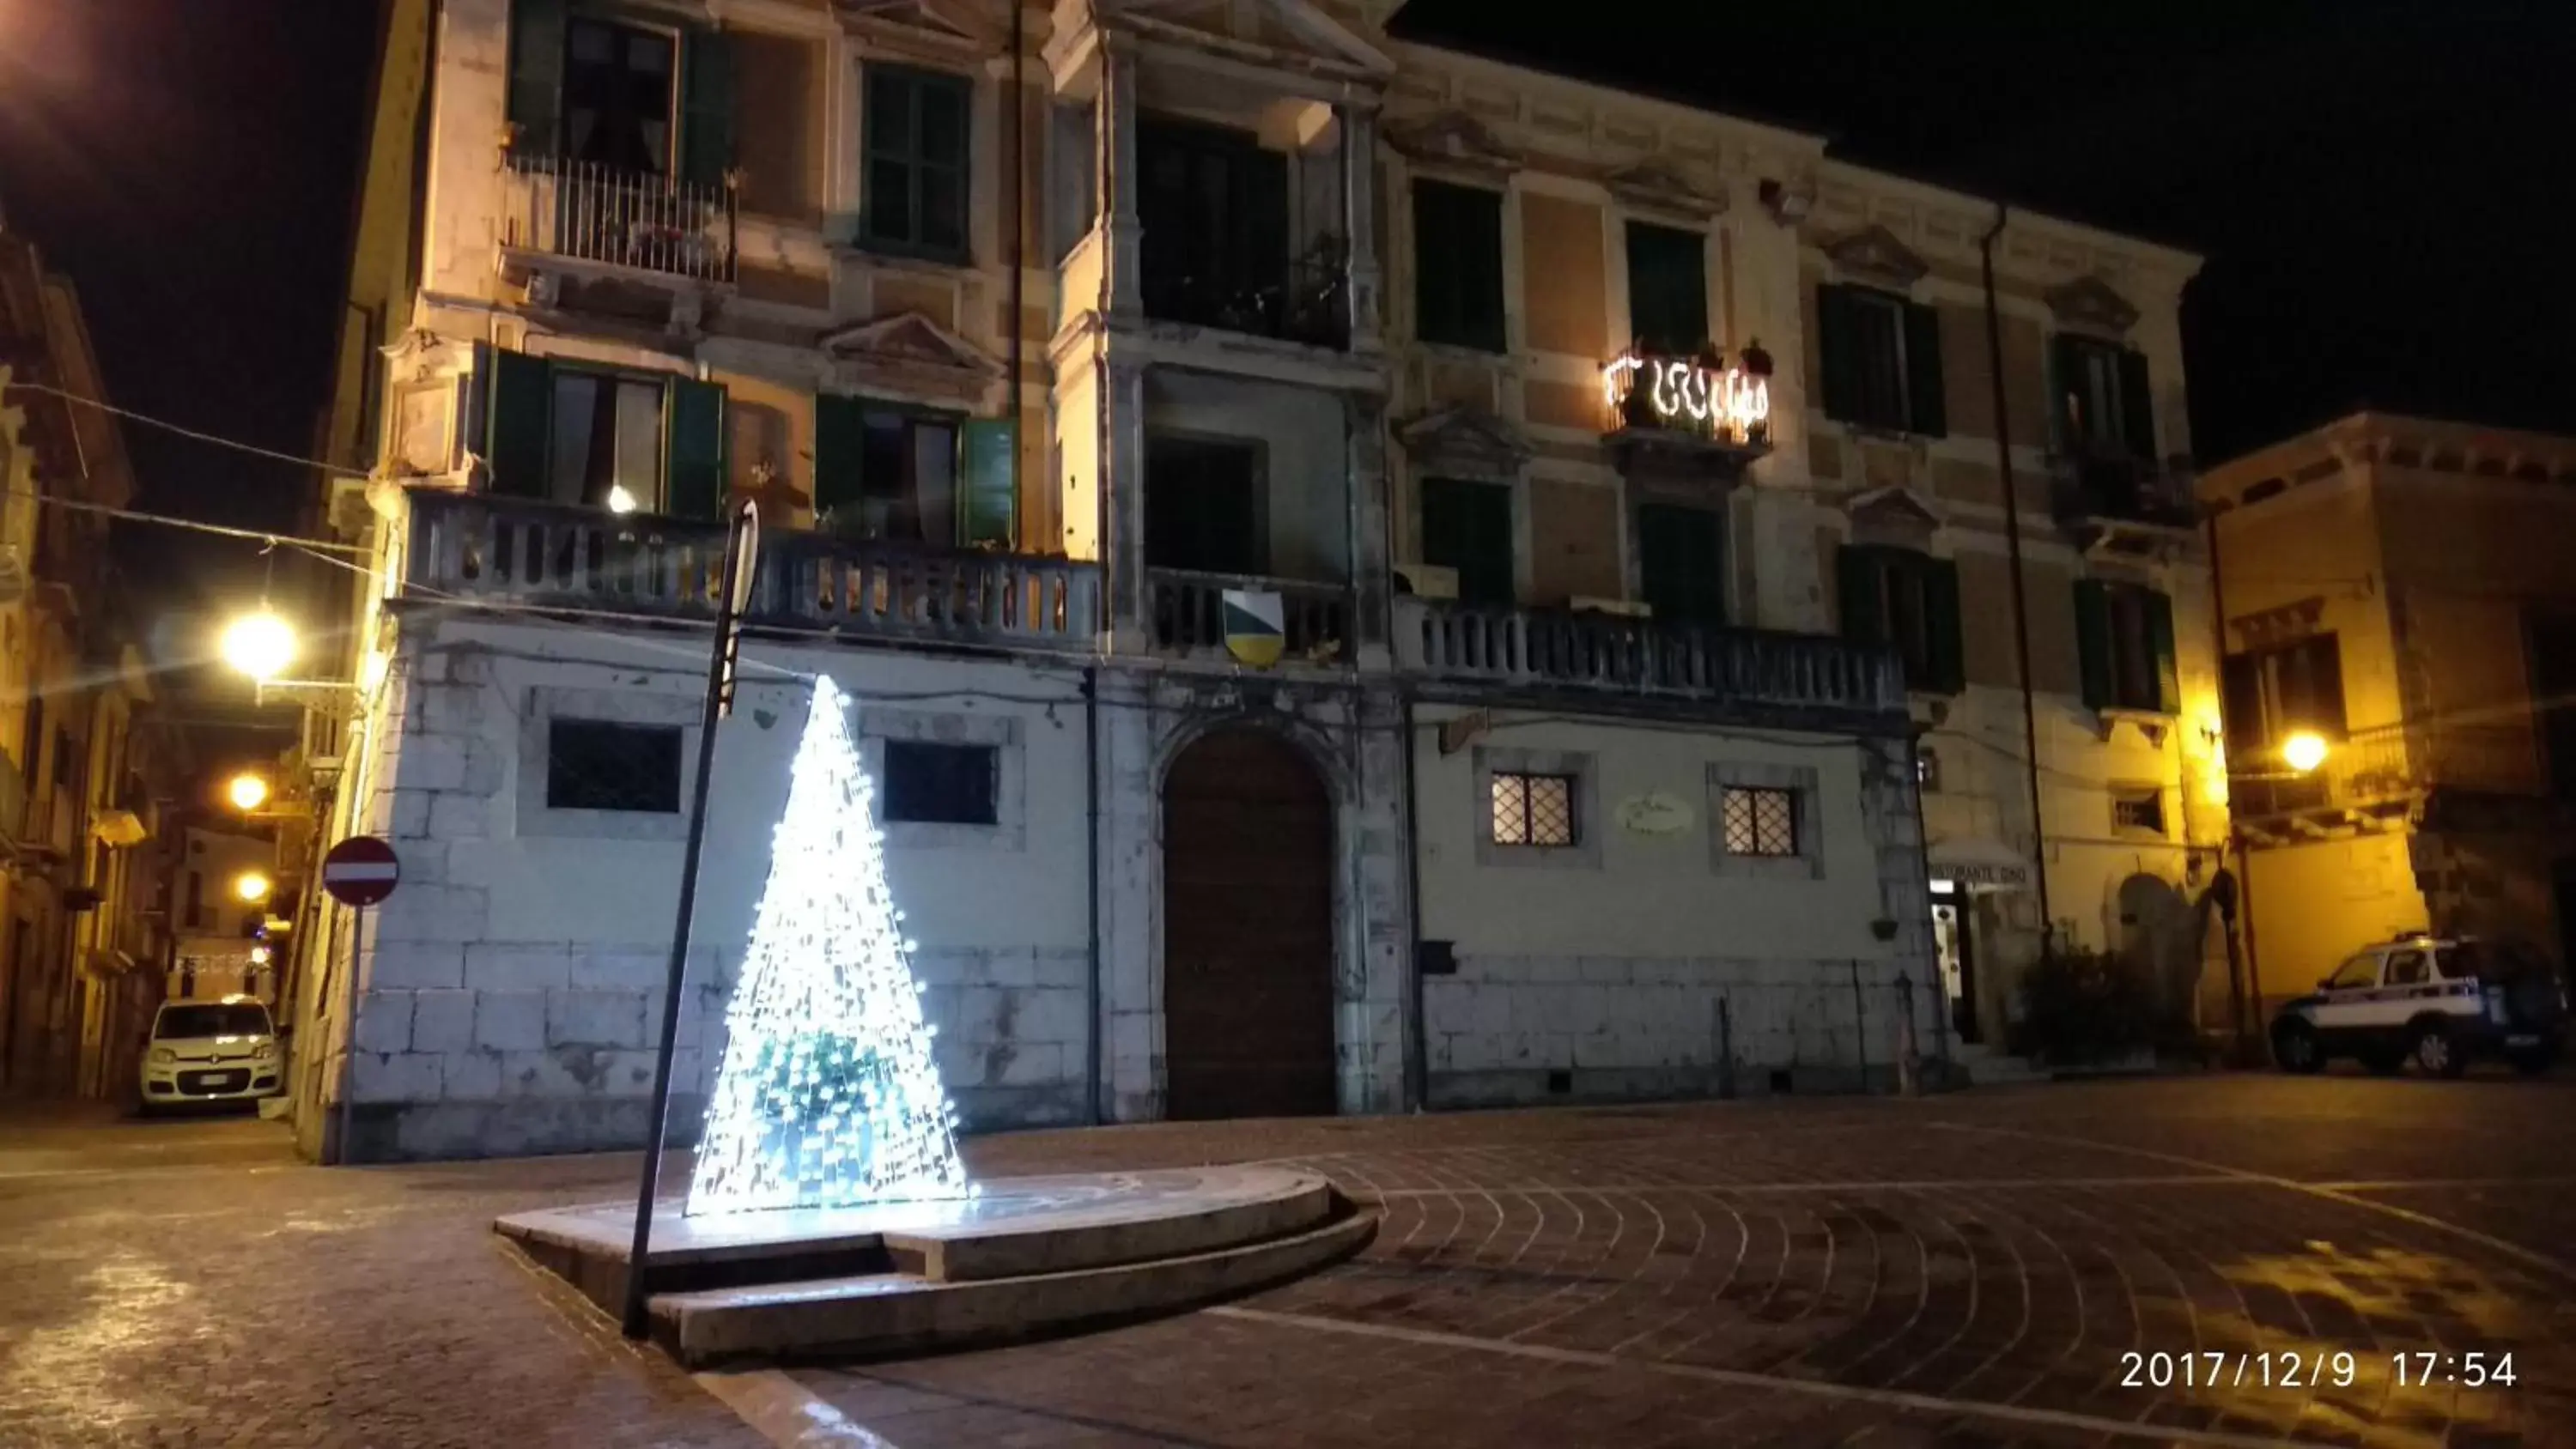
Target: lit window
point(2142, 810)
point(1533, 809)
point(1759, 820)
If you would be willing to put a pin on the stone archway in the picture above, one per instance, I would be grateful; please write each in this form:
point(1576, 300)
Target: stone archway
point(1247, 930)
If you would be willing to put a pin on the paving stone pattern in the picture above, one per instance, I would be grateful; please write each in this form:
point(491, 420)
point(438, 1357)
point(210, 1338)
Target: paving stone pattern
point(1967, 1270)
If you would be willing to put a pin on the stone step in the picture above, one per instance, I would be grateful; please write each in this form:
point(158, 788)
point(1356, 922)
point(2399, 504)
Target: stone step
point(886, 1314)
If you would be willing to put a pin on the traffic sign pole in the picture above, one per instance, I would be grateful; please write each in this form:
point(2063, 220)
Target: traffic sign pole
point(359, 872)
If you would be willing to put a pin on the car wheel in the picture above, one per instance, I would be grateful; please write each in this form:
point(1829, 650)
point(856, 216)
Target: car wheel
point(2531, 1061)
point(2296, 1048)
point(2433, 1050)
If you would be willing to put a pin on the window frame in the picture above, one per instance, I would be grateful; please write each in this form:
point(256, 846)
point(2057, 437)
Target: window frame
point(1658, 234)
point(1803, 783)
point(537, 817)
point(1256, 452)
point(1455, 326)
point(1004, 734)
point(615, 380)
point(1527, 783)
point(893, 751)
point(1584, 812)
point(558, 724)
point(920, 80)
point(2152, 798)
point(675, 95)
point(1754, 797)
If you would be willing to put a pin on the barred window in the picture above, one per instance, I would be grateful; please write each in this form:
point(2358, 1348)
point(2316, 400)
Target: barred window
point(1759, 820)
point(2142, 810)
point(940, 784)
point(598, 765)
point(1533, 809)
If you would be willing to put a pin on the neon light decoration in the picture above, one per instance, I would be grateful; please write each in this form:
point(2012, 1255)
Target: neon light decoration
point(1687, 394)
point(826, 1096)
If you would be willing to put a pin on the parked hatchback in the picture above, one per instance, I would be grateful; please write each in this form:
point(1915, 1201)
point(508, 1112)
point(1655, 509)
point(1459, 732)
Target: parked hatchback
point(210, 1051)
point(2437, 1003)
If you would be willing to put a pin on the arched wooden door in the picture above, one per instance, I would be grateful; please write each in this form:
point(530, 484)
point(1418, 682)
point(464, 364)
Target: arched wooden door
point(1247, 931)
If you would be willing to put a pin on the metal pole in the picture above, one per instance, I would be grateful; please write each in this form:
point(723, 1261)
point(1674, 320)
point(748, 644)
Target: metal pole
point(718, 702)
point(349, 1028)
point(2020, 603)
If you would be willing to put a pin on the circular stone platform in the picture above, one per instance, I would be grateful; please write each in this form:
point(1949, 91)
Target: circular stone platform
point(1024, 1256)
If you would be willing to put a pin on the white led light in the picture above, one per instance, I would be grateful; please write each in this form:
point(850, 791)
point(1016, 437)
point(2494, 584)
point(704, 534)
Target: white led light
point(826, 1096)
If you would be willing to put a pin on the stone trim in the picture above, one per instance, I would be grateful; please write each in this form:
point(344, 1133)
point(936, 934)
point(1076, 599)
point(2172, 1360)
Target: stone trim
point(1585, 852)
point(1001, 733)
point(1801, 781)
point(611, 706)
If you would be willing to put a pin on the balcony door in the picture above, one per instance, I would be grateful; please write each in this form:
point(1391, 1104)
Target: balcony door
point(618, 90)
point(1204, 505)
point(1467, 526)
point(1681, 563)
point(1215, 210)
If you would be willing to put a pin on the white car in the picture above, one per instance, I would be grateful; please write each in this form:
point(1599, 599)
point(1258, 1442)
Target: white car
point(2435, 1002)
point(210, 1051)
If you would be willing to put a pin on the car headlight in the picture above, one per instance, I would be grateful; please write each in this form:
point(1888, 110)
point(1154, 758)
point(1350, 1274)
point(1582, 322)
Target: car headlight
point(265, 1051)
point(163, 1056)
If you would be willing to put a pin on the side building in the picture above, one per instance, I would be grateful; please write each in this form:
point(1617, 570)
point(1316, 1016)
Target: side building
point(2397, 588)
point(1330, 540)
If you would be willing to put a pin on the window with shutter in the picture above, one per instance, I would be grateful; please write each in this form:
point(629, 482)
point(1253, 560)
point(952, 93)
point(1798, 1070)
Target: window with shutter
point(885, 472)
point(1681, 563)
point(2126, 637)
point(1864, 353)
point(1467, 526)
point(2105, 406)
point(1909, 602)
point(536, 77)
point(914, 178)
point(1458, 265)
point(620, 85)
point(1667, 289)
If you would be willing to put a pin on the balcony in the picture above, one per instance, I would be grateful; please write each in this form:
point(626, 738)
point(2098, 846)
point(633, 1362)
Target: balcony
point(2109, 492)
point(522, 554)
point(1548, 649)
point(1186, 610)
point(1692, 415)
point(2379, 778)
point(1307, 302)
point(583, 212)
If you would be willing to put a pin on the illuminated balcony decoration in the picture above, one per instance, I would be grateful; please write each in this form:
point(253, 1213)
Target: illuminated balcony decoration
point(1699, 414)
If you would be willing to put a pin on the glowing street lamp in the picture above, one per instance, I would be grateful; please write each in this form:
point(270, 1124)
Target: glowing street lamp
point(260, 645)
point(252, 886)
point(2304, 751)
point(248, 791)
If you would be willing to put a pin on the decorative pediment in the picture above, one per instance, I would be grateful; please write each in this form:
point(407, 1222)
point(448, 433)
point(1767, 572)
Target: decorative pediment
point(1874, 251)
point(2089, 302)
point(1464, 441)
point(1451, 138)
point(911, 355)
point(1891, 514)
point(1659, 185)
point(1261, 31)
point(932, 25)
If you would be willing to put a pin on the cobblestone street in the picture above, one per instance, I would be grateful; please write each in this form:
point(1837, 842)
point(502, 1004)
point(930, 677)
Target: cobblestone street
point(1977, 1269)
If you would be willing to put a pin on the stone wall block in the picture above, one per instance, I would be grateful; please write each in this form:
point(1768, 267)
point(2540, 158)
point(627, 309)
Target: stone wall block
point(442, 1021)
point(595, 1018)
point(510, 1021)
point(517, 968)
point(384, 1021)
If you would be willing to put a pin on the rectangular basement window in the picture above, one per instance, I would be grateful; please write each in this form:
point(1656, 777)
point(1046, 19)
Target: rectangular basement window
point(600, 765)
point(1533, 809)
point(937, 784)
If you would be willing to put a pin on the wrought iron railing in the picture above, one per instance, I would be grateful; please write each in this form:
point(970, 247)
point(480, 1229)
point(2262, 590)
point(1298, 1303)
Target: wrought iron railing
point(480, 549)
point(1307, 301)
point(2388, 765)
point(1589, 651)
point(1186, 612)
point(591, 213)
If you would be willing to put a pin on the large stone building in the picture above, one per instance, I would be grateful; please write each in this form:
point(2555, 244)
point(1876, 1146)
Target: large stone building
point(85, 769)
point(1618, 484)
point(2399, 588)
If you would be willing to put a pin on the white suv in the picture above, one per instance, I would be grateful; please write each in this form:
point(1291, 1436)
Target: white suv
point(210, 1051)
point(2432, 1001)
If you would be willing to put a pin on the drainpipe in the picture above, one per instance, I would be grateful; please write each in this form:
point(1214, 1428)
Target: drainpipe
point(2020, 593)
point(2237, 854)
point(1019, 246)
point(1417, 1061)
point(1091, 861)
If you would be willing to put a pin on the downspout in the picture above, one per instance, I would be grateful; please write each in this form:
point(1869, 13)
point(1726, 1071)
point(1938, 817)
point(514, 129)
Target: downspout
point(1095, 1114)
point(1019, 252)
point(2020, 591)
point(2237, 855)
point(1417, 1061)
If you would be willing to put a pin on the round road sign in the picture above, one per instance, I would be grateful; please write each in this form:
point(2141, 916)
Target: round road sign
point(360, 871)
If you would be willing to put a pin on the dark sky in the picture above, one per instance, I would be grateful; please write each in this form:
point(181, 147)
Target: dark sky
point(2370, 181)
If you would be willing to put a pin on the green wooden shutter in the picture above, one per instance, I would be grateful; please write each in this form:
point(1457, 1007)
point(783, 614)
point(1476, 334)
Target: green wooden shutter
point(1458, 265)
point(536, 75)
point(1923, 372)
point(1837, 352)
point(1468, 527)
point(518, 404)
point(988, 484)
point(2093, 640)
point(1667, 288)
point(839, 445)
point(1941, 598)
point(2137, 405)
point(1681, 563)
point(693, 449)
point(706, 107)
point(1860, 582)
point(2065, 373)
point(2160, 638)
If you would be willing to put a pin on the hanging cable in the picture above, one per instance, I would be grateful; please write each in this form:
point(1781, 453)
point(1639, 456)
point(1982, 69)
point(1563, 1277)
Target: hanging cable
point(217, 440)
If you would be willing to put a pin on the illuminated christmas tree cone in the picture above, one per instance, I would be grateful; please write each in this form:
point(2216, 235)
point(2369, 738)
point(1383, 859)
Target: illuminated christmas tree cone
point(826, 1096)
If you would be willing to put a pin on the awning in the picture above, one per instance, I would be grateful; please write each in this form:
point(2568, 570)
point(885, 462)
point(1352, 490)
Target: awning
point(1978, 861)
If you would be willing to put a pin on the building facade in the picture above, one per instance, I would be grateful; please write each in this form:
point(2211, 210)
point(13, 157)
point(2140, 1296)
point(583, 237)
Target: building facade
point(2395, 586)
point(84, 770)
point(1372, 579)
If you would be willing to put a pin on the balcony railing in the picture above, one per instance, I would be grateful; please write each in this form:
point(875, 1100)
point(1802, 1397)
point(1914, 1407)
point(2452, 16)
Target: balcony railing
point(477, 548)
point(2124, 488)
point(2389, 765)
point(590, 213)
point(1567, 650)
point(1309, 302)
point(1187, 612)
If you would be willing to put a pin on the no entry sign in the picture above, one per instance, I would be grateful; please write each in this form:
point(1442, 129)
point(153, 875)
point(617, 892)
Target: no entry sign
point(360, 871)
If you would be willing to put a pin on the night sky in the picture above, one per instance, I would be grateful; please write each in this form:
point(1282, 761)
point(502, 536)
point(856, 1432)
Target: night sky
point(2349, 169)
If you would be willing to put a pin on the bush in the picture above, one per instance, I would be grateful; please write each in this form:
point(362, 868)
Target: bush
point(2081, 1007)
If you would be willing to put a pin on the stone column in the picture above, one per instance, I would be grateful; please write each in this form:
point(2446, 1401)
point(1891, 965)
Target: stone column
point(1365, 418)
point(1122, 477)
point(1359, 219)
point(1114, 133)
